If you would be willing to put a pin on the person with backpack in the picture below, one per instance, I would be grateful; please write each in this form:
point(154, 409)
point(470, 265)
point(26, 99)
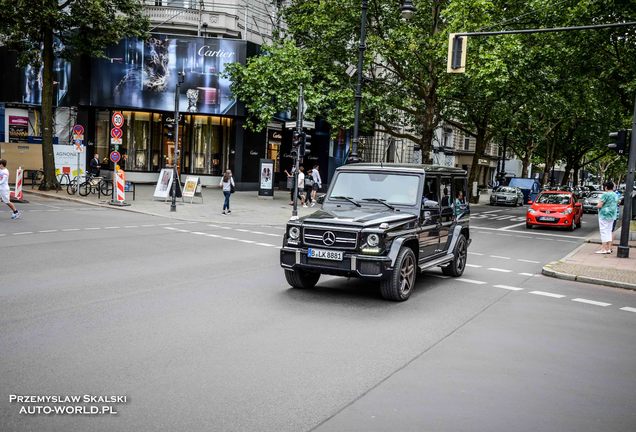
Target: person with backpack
point(227, 184)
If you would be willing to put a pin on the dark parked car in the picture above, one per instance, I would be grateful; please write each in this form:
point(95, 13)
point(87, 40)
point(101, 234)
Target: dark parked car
point(382, 223)
point(507, 195)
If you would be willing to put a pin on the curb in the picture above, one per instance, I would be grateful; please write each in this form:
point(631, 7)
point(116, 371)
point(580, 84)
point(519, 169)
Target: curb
point(548, 271)
point(133, 210)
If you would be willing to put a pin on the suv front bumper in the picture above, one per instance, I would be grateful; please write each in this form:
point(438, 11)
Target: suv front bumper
point(352, 264)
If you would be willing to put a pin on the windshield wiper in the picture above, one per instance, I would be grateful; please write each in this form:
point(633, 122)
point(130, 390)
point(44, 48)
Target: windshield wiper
point(381, 201)
point(351, 200)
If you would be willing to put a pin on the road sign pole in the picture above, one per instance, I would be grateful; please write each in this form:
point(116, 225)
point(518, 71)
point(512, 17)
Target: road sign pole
point(623, 248)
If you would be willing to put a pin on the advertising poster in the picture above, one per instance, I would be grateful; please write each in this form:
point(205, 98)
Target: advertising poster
point(18, 129)
point(266, 170)
point(143, 74)
point(164, 183)
point(66, 160)
point(190, 186)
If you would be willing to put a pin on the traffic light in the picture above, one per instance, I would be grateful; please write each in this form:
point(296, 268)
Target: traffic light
point(305, 144)
point(619, 140)
point(456, 53)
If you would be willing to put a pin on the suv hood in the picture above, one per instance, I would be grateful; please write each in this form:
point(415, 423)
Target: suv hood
point(364, 217)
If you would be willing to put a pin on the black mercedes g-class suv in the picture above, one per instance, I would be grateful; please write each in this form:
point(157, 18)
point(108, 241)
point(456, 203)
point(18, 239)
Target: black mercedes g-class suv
point(382, 222)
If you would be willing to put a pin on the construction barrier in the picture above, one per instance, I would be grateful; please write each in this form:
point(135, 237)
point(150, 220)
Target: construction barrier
point(17, 195)
point(120, 187)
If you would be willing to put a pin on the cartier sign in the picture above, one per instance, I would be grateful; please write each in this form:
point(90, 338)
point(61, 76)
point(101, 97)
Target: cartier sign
point(207, 51)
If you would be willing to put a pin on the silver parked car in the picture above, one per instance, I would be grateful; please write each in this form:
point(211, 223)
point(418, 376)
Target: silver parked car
point(507, 195)
point(589, 203)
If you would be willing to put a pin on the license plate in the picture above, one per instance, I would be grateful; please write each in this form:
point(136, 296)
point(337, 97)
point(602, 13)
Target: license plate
point(547, 219)
point(324, 254)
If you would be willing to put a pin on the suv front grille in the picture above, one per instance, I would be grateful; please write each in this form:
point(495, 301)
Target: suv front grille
point(341, 239)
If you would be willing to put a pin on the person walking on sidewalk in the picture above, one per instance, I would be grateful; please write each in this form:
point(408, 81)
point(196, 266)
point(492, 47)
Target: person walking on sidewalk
point(227, 183)
point(606, 216)
point(317, 184)
point(301, 185)
point(309, 187)
point(4, 189)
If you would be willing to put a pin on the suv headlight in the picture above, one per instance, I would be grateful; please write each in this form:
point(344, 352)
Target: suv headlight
point(294, 233)
point(373, 240)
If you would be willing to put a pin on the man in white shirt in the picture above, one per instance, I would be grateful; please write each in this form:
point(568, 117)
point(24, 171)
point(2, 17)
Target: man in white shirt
point(301, 185)
point(4, 189)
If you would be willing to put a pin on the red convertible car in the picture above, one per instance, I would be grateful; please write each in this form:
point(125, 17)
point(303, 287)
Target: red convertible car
point(556, 209)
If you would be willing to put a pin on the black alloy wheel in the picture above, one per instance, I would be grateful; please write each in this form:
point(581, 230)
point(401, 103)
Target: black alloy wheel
point(399, 285)
point(458, 264)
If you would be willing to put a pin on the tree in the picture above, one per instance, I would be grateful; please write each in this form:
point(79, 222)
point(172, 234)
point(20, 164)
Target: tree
point(41, 30)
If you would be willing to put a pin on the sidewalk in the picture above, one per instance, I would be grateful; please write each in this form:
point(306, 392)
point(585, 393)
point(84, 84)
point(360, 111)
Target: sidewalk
point(584, 265)
point(247, 208)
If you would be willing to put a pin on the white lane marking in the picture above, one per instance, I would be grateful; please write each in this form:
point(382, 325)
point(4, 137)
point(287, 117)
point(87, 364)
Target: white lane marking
point(475, 253)
point(146, 226)
point(178, 223)
point(508, 287)
point(131, 226)
point(499, 256)
point(92, 228)
point(528, 261)
point(112, 227)
point(214, 235)
point(512, 226)
point(263, 244)
point(592, 302)
point(472, 281)
point(198, 233)
point(526, 274)
point(230, 238)
point(502, 217)
point(535, 233)
point(24, 232)
point(247, 241)
point(547, 294)
point(164, 224)
point(499, 270)
point(47, 231)
point(523, 236)
point(213, 225)
point(492, 211)
point(242, 230)
point(170, 228)
point(70, 229)
point(474, 265)
point(628, 309)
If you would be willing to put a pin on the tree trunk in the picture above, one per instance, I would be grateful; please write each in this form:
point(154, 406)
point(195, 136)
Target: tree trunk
point(566, 176)
point(473, 176)
point(48, 160)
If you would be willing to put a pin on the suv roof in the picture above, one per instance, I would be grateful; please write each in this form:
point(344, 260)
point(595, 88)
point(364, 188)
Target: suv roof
point(414, 168)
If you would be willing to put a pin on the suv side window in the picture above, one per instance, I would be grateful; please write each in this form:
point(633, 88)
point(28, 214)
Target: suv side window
point(445, 192)
point(431, 189)
point(459, 195)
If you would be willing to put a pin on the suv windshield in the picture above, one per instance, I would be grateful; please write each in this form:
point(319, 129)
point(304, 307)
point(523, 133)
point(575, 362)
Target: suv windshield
point(400, 189)
point(553, 199)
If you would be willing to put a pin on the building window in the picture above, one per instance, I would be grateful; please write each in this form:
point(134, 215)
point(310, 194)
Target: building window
point(466, 143)
point(136, 142)
point(102, 134)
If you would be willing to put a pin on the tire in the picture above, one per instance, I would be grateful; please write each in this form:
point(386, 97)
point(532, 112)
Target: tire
point(578, 225)
point(458, 264)
point(71, 188)
point(105, 188)
point(528, 226)
point(84, 188)
point(301, 279)
point(400, 284)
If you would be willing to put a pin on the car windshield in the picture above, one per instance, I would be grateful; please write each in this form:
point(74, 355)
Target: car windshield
point(507, 190)
point(553, 199)
point(596, 194)
point(400, 189)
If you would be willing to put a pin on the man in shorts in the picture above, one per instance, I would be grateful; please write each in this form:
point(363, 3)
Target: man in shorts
point(4, 189)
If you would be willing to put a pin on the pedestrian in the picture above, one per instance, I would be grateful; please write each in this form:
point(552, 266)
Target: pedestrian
point(317, 184)
point(227, 183)
point(4, 189)
point(301, 185)
point(606, 217)
point(309, 188)
point(618, 208)
point(94, 165)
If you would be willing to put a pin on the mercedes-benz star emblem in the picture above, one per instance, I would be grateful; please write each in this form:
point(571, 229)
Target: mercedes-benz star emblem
point(328, 238)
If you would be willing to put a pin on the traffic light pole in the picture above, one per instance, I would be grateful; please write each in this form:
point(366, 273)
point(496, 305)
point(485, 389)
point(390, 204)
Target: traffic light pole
point(623, 248)
point(299, 129)
point(175, 158)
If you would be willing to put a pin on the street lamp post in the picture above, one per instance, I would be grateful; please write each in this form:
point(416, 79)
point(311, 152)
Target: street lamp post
point(406, 10)
point(175, 158)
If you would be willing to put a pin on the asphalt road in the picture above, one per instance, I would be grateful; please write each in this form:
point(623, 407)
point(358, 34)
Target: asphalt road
point(195, 325)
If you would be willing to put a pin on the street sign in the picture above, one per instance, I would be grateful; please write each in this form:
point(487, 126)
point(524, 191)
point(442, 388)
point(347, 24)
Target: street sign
point(114, 157)
point(78, 129)
point(78, 145)
point(116, 133)
point(118, 119)
point(306, 125)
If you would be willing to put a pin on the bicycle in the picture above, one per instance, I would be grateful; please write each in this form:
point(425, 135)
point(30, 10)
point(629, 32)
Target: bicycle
point(71, 187)
point(93, 184)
